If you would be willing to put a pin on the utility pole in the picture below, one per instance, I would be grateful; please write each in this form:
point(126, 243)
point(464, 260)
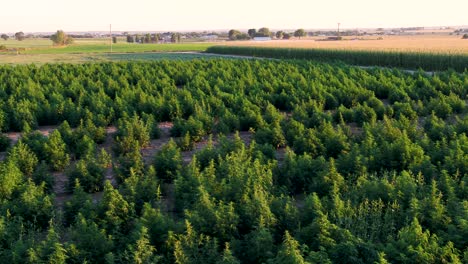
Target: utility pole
point(110, 36)
point(339, 29)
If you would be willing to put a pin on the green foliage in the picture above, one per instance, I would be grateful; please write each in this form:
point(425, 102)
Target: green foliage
point(24, 158)
point(60, 38)
point(159, 225)
point(186, 142)
point(141, 252)
point(10, 179)
point(413, 60)
point(168, 162)
point(79, 204)
point(334, 164)
point(32, 204)
point(130, 163)
point(114, 211)
point(257, 246)
point(289, 253)
point(4, 142)
point(88, 242)
point(42, 175)
point(55, 151)
point(51, 250)
point(142, 189)
point(89, 173)
point(191, 247)
point(132, 133)
point(300, 33)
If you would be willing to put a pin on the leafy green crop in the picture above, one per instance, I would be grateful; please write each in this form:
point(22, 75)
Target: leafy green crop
point(232, 161)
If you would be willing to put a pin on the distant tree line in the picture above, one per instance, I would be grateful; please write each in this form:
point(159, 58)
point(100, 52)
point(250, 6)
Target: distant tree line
point(252, 33)
point(153, 38)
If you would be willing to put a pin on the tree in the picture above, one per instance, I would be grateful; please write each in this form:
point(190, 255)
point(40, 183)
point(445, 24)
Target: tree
point(5, 37)
point(19, 36)
point(147, 38)
point(252, 32)
point(60, 38)
point(114, 40)
point(279, 34)
point(155, 38)
point(299, 33)
point(465, 36)
point(175, 38)
point(233, 34)
point(130, 39)
point(263, 32)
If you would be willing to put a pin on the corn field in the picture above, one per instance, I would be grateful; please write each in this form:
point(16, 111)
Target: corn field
point(406, 60)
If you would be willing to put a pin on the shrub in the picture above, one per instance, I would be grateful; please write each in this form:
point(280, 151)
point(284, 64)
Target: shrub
point(168, 162)
point(89, 174)
point(364, 114)
point(4, 142)
point(186, 143)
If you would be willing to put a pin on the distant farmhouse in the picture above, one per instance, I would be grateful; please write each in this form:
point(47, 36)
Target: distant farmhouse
point(210, 37)
point(261, 38)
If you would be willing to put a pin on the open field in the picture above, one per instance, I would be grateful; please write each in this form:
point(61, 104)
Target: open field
point(27, 43)
point(423, 43)
point(40, 59)
point(120, 47)
point(48, 58)
point(44, 46)
point(40, 51)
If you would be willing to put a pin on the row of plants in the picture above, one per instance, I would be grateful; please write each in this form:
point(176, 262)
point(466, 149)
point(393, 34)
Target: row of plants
point(344, 165)
point(400, 59)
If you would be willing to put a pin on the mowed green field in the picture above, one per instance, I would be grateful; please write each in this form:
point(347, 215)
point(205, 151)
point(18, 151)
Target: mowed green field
point(27, 43)
point(121, 47)
point(40, 59)
point(44, 46)
point(41, 51)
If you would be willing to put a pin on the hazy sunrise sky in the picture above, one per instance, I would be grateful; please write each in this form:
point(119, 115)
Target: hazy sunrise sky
point(173, 15)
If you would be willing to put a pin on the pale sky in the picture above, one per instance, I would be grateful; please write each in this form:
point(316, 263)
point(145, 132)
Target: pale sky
point(174, 15)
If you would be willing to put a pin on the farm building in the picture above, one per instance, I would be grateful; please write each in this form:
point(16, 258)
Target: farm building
point(262, 38)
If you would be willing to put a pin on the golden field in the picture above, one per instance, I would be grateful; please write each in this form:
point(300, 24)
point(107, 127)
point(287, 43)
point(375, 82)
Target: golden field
point(420, 43)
